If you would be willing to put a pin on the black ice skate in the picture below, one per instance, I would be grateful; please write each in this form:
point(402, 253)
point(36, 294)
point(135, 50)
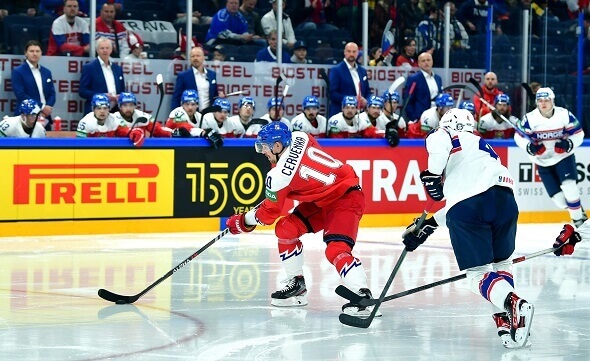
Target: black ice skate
point(294, 294)
point(520, 315)
point(355, 309)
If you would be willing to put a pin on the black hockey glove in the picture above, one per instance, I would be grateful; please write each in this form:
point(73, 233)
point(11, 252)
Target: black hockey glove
point(535, 148)
point(564, 146)
point(413, 238)
point(213, 137)
point(391, 134)
point(181, 133)
point(568, 233)
point(433, 184)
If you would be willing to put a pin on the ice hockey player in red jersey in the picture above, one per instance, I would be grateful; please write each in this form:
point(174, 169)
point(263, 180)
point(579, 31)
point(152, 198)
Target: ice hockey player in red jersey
point(330, 200)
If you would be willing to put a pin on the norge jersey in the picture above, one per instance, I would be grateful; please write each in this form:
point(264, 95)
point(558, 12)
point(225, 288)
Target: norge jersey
point(12, 127)
point(304, 173)
point(470, 164)
point(301, 123)
point(562, 124)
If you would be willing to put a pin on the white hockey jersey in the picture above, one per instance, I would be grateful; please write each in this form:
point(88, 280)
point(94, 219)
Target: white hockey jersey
point(563, 124)
point(384, 119)
point(502, 130)
point(429, 119)
point(179, 118)
point(380, 122)
point(283, 119)
point(12, 127)
point(360, 128)
point(112, 127)
point(301, 123)
point(469, 165)
point(228, 129)
point(155, 129)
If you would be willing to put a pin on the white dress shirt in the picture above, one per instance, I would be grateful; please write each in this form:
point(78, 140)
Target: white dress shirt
point(354, 73)
point(36, 70)
point(202, 88)
point(432, 86)
point(109, 77)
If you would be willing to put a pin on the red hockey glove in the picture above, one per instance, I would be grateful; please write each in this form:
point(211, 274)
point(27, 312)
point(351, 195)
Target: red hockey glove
point(237, 224)
point(564, 146)
point(137, 136)
point(567, 234)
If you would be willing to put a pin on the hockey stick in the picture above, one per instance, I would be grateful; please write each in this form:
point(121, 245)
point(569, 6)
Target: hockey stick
point(239, 92)
point(495, 111)
point(353, 297)
point(325, 78)
point(35, 123)
point(366, 322)
point(121, 299)
point(396, 84)
point(160, 83)
point(280, 101)
point(530, 95)
point(211, 109)
point(401, 111)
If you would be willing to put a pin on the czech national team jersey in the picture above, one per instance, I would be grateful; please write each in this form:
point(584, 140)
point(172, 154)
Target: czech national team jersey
point(470, 164)
point(301, 123)
point(228, 129)
point(112, 127)
point(12, 127)
point(307, 174)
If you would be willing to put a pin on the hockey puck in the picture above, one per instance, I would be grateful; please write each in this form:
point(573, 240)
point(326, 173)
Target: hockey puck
point(120, 302)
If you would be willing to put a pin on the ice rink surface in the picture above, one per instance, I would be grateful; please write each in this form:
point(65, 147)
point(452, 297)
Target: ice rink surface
point(217, 307)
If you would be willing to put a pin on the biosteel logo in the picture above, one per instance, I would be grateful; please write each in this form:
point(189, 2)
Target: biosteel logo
point(84, 183)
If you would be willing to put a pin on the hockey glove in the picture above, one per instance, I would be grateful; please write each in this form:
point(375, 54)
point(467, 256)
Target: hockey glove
point(535, 148)
point(391, 134)
point(413, 238)
point(237, 224)
point(213, 137)
point(137, 136)
point(181, 133)
point(564, 146)
point(433, 184)
point(567, 234)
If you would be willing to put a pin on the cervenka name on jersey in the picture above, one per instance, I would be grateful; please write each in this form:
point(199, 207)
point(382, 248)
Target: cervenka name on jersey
point(286, 167)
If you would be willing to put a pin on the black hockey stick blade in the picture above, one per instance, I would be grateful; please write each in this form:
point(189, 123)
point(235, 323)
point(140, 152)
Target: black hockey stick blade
point(122, 299)
point(366, 322)
point(530, 95)
point(350, 295)
point(160, 84)
point(477, 86)
point(211, 109)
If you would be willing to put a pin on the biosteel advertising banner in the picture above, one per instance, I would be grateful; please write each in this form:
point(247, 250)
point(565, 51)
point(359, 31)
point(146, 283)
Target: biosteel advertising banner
point(86, 184)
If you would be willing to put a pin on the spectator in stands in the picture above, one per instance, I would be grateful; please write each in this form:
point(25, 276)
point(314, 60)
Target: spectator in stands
point(410, 14)
point(253, 20)
point(198, 17)
point(459, 36)
point(69, 33)
point(135, 43)
point(269, 53)
point(490, 90)
point(197, 77)
point(218, 53)
point(102, 76)
point(22, 7)
point(348, 78)
point(299, 53)
point(269, 22)
point(473, 14)
point(108, 27)
point(408, 55)
point(180, 52)
point(30, 80)
point(428, 32)
point(375, 58)
point(310, 15)
point(493, 126)
point(512, 24)
point(428, 86)
point(229, 26)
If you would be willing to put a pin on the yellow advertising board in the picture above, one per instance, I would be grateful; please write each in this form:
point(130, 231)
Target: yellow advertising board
point(52, 184)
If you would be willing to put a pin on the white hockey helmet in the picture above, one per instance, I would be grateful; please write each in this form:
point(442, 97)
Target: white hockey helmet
point(545, 93)
point(459, 120)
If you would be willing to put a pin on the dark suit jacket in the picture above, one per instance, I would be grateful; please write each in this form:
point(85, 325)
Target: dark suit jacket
point(24, 86)
point(341, 84)
point(92, 81)
point(186, 80)
point(419, 101)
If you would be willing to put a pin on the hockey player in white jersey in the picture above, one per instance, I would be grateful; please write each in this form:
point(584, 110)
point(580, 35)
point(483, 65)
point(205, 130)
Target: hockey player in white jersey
point(310, 121)
point(554, 133)
point(241, 122)
point(276, 110)
point(218, 121)
point(24, 125)
point(186, 119)
point(347, 123)
point(468, 105)
point(374, 114)
point(481, 215)
point(492, 126)
point(129, 114)
point(99, 123)
point(430, 117)
point(390, 105)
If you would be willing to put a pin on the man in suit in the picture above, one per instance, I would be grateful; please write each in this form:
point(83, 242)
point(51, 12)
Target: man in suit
point(102, 76)
point(197, 77)
point(427, 86)
point(30, 80)
point(348, 78)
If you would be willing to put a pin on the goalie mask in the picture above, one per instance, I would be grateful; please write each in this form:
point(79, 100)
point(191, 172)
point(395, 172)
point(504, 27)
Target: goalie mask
point(459, 120)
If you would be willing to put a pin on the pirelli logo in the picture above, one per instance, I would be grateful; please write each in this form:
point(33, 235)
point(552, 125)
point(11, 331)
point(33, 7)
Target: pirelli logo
point(85, 183)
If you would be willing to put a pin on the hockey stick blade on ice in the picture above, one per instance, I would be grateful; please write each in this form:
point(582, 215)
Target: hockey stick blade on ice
point(122, 299)
point(344, 292)
point(366, 322)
